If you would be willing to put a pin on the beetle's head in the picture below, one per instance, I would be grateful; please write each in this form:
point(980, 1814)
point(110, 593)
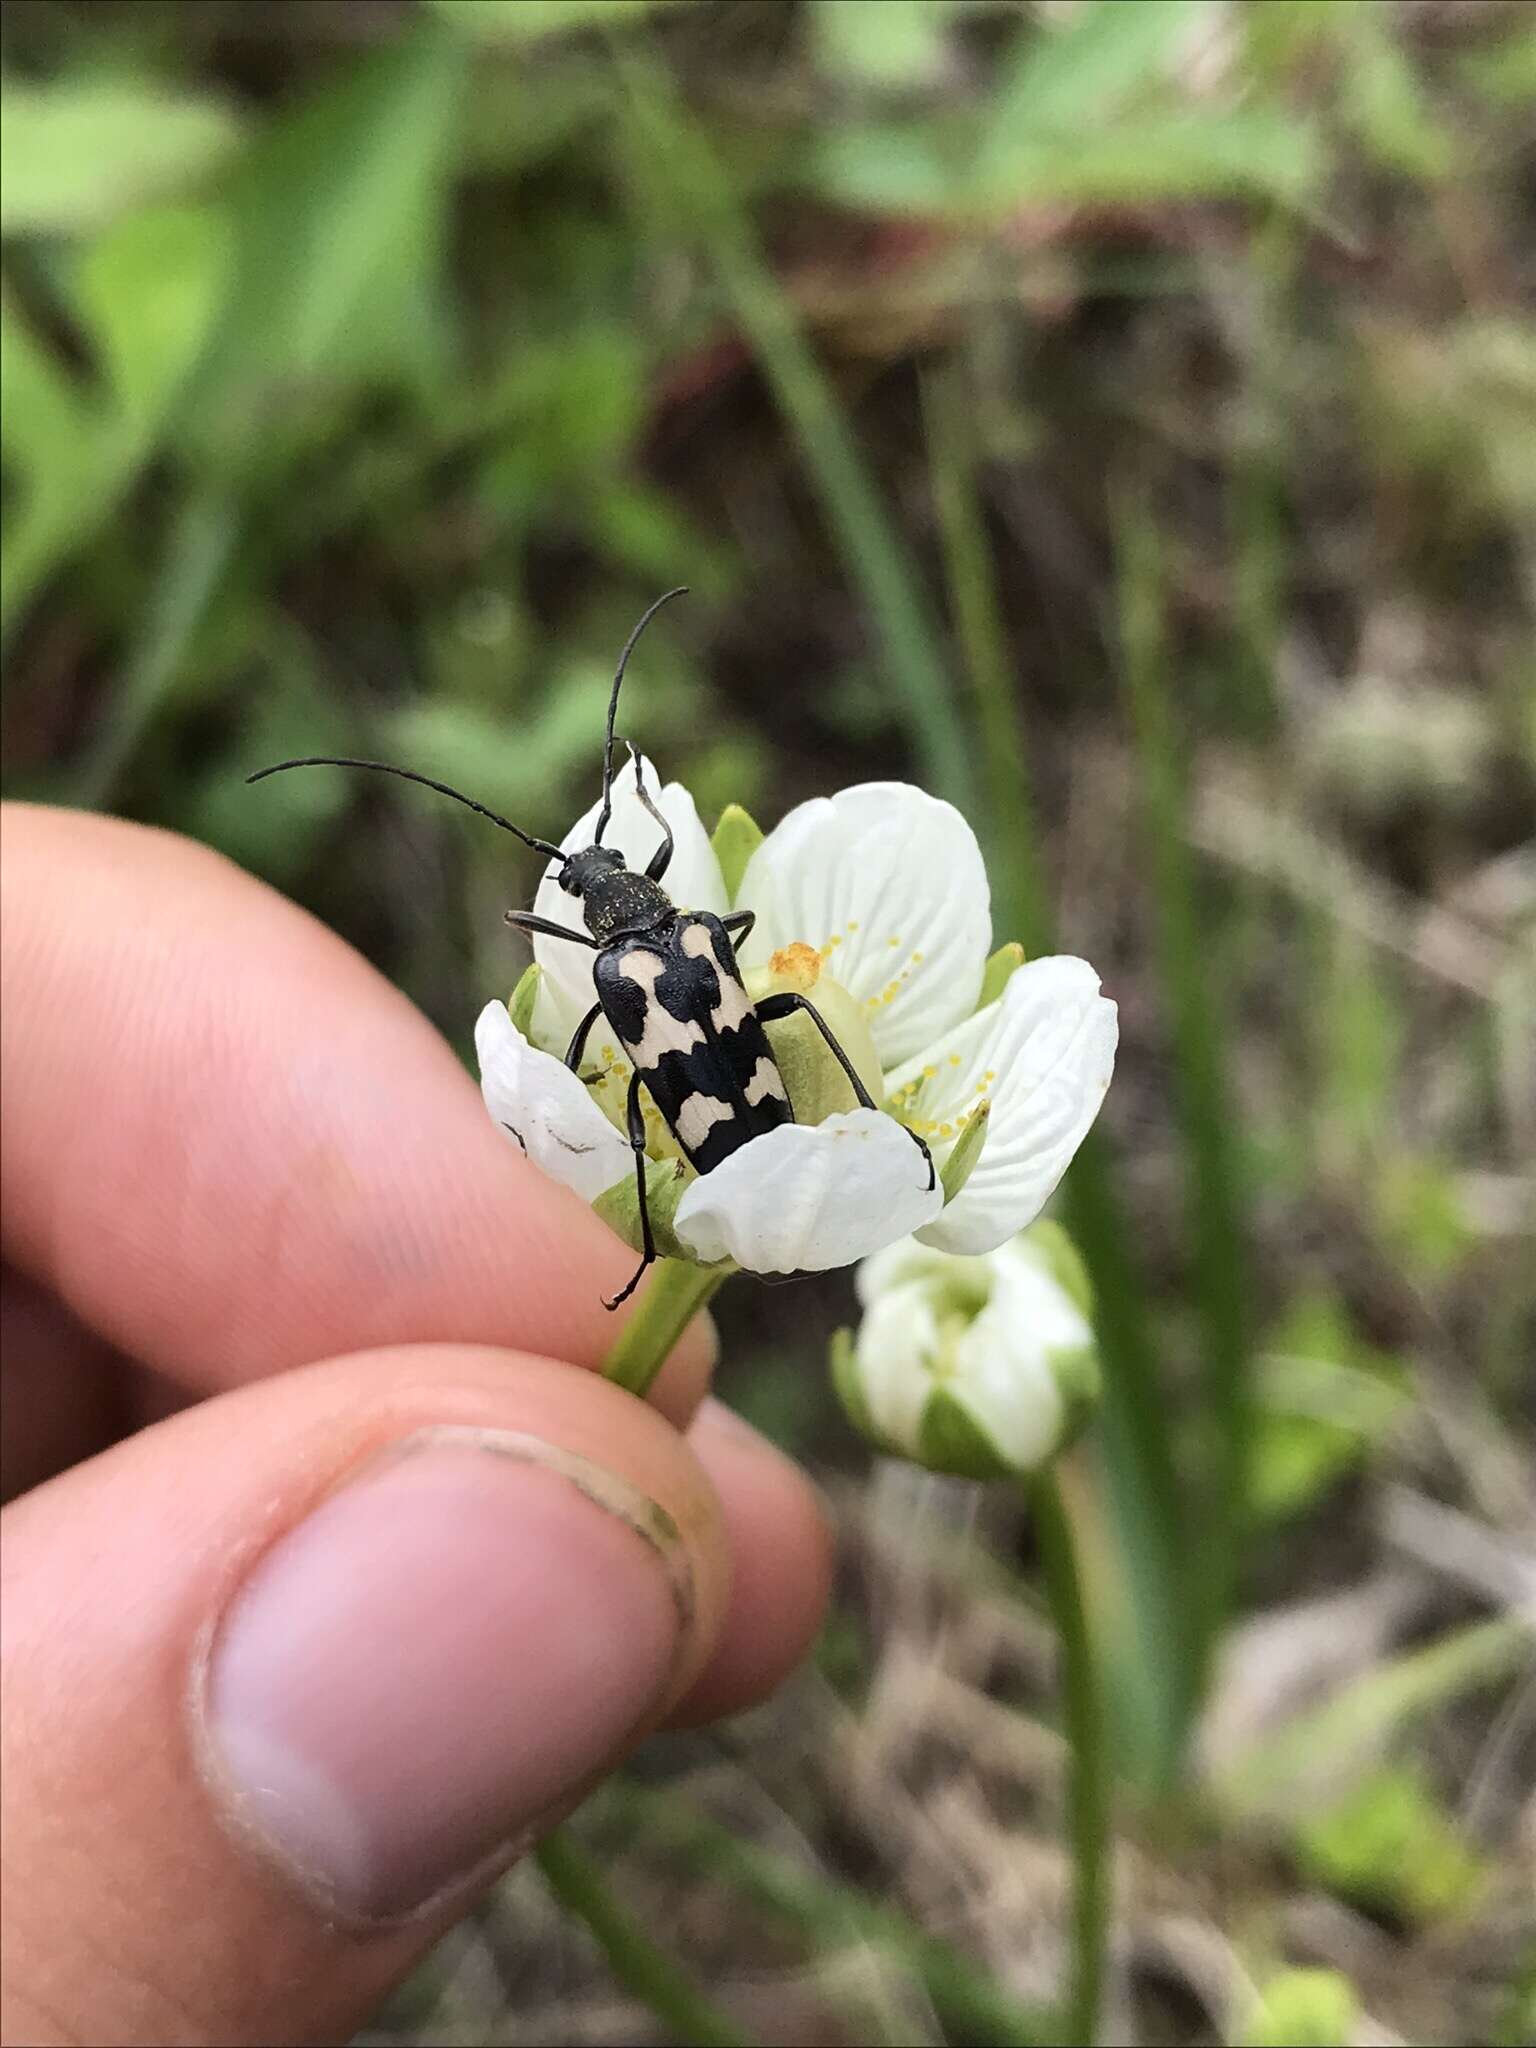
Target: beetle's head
point(583, 872)
point(614, 898)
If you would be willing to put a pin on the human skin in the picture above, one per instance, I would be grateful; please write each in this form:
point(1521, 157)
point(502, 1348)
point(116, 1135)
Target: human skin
point(333, 1570)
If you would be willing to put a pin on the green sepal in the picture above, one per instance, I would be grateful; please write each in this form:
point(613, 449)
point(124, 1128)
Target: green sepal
point(845, 1381)
point(1079, 1383)
point(949, 1439)
point(737, 837)
point(961, 1163)
point(995, 976)
point(1063, 1261)
point(619, 1207)
point(523, 998)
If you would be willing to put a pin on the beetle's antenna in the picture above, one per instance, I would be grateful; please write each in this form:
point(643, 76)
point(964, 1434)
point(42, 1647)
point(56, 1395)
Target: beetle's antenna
point(410, 775)
point(613, 707)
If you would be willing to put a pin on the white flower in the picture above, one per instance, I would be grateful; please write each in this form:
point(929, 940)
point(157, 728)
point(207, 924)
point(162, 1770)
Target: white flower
point(874, 904)
point(978, 1366)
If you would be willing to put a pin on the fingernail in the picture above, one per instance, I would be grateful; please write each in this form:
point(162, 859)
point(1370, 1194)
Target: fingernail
point(445, 1648)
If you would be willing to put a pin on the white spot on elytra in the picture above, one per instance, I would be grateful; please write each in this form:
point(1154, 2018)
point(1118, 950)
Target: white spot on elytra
point(733, 1009)
point(696, 1117)
point(766, 1080)
point(663, 1032)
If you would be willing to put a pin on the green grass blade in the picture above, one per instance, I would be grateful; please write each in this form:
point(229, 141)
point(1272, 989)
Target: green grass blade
point(1141, 1613)
point(198, 553)
point(973, 2006)
point(1216, 1184)
point(639, 1965)
point(876, 559)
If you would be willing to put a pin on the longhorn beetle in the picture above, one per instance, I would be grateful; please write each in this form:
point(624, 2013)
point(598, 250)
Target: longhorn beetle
point(666, 980)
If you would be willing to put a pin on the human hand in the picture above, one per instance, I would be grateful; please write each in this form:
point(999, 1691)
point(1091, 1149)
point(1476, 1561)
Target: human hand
point(331, 1576)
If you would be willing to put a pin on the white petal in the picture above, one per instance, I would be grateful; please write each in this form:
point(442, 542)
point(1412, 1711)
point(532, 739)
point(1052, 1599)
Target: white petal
point(547, 1109)
point(1043, 1053)
point(803, 1199)
point(1002, 1371)
point(896, 1345)
point(888, 883)
point(1003, 1380)
point(692, 880)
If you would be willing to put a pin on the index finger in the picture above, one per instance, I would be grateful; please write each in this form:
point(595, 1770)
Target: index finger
point(232, 1147)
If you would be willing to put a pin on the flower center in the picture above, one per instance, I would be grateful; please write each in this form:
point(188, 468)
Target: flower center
point(818, 1087)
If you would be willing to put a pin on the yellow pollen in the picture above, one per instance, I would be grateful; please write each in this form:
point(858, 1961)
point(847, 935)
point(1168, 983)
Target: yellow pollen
point(853, 924)
point(797, 962)
point(893, 942)
point(929, 1072)
point(917, 959)
point(954, 1059)
point(946, 1130)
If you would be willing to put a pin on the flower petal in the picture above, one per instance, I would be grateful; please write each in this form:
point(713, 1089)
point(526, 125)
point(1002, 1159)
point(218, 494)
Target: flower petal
point(897, 1342)
point(1043, 1053)
point(803, 1199)
point(888, 883)
point(1002, 1373)
point(546, 1109)
point(692, 881)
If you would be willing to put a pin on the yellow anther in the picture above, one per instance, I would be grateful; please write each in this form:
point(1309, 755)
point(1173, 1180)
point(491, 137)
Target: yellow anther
point(893, 942)
point(853, 924)
point(954, 1059)
point(946, 1130)
point(929, 1072)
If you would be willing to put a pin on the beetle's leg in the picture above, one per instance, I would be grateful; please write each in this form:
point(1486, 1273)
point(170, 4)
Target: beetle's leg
point(578, 1044)
point(660, 860)
point(740, 921)
point(772, 1008)
point(525, 921)
point(635, 1116)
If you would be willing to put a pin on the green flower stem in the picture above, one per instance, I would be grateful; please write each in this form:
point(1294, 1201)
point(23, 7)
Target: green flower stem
point(639, 1965)
point(674, 1294)
point(1087, 1783)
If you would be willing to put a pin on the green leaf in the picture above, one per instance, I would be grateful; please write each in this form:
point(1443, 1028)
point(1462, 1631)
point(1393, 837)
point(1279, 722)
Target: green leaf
point(1389, 1844)
point(521, 22)
point(1175, 153)
point(1071, 77)
point(898, 43)
point(149, 290)
point(146, 290)
point(736, 838)
point(1000, 969)
point(74, 154)
point(339, 224)
point(966, 1152)
point(1325, 1396)
point(1303, 2009)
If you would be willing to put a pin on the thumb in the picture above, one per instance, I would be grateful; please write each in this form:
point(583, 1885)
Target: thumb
point(291, 1675)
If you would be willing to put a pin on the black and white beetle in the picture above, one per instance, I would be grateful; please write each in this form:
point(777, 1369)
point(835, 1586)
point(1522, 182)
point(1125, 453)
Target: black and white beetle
point(666, 980)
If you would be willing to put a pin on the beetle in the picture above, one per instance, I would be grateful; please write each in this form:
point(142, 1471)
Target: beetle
point(666, 979)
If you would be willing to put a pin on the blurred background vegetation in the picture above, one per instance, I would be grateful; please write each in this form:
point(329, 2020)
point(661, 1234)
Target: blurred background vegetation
point(1120, 418)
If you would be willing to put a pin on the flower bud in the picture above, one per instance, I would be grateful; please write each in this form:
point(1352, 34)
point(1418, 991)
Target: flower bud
point(984, 1367)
